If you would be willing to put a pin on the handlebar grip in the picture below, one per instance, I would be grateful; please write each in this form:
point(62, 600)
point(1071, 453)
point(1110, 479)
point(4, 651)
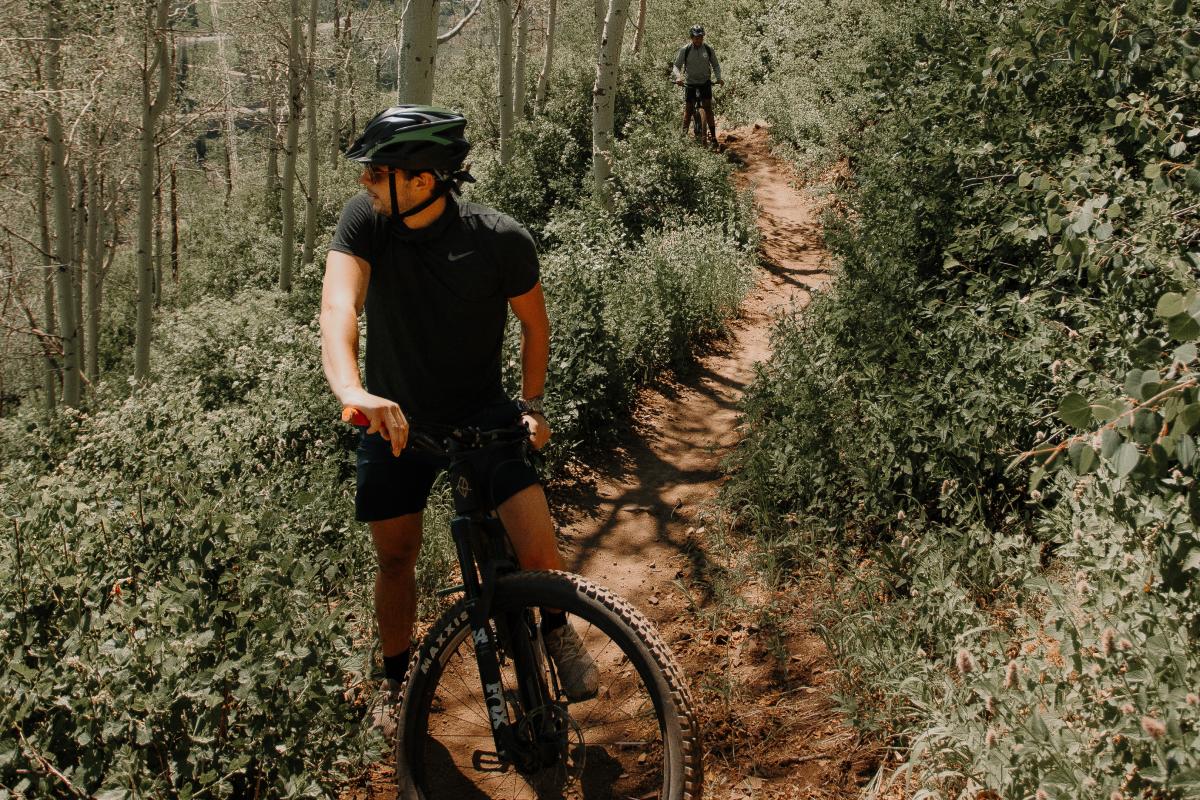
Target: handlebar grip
point(355, 417)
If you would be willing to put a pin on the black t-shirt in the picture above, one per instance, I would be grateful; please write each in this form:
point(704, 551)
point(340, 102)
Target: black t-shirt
point(437, 303)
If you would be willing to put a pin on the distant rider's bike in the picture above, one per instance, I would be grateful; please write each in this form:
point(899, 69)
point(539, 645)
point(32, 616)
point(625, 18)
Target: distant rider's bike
point(483, 713)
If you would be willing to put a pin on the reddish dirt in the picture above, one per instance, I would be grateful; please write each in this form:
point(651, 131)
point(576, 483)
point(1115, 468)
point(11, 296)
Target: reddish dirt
point(642, 523)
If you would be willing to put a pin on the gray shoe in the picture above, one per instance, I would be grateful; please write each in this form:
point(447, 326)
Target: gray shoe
point(576, 670)
point(385, 708)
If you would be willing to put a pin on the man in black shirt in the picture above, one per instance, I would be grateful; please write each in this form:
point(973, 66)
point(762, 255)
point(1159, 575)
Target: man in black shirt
point(436, 277)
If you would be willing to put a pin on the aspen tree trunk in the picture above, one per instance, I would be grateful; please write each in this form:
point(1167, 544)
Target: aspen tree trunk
point(232, 168)
point(158, 227)
point(68, 323)
point(91, 282)
point(49, 384)
point(272, 148)
point(604, 100)
point(174, 226)
point(288, 189)
point(154, 102)
point(418, 52)
point(539, 99)
point(519, 69)
point(640, 30)
point(78, 253)
point(310, 93)
point(504, 48)
point(341, 63)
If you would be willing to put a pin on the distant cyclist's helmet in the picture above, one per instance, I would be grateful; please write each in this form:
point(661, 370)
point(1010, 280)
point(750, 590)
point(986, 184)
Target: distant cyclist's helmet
point(414, 138)
point(697, 30)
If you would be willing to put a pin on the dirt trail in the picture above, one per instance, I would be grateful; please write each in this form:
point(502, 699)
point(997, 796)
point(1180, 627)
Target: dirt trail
point(636, 526)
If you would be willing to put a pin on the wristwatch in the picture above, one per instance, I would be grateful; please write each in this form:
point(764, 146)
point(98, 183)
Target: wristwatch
point(532, 405)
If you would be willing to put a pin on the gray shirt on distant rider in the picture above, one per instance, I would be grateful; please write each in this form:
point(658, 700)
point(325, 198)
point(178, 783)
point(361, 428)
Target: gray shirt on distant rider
point(699, 65)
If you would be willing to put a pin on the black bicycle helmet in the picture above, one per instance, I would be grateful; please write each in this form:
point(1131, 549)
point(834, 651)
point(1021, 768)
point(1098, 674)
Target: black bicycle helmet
point(416, 139)
point(697, 30)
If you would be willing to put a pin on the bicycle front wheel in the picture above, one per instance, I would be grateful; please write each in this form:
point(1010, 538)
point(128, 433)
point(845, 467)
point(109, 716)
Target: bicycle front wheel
point(636, 738)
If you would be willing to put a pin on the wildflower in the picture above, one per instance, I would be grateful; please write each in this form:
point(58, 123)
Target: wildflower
point(1124, 644)
point(1192, 699)
point(1010, 675)
point(1082, 587)
point(990, 738)
point(965, 661)
point(1154, 728)
point(990, 704)
point(1127, 708)
point(900, 515)
point(1116, 795)
point(1106, 641)
point(1041, 795)
point(1035, 495)
point(1077, 535)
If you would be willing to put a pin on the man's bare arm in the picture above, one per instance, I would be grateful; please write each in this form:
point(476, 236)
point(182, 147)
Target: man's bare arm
point(530, 309)
point(342, 296)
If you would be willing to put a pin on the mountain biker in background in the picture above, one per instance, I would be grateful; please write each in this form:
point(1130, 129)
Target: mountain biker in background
point(695, 66)
point(437, 277)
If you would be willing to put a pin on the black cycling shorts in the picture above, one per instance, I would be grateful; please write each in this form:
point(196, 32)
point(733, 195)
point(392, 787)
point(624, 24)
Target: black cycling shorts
point(392, 486)
point(702, 91)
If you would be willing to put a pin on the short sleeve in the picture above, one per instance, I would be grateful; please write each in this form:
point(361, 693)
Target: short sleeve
point(355, 233)
point(519, 261)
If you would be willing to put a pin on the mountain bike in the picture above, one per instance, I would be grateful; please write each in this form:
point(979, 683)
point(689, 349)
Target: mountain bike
point(483, 714)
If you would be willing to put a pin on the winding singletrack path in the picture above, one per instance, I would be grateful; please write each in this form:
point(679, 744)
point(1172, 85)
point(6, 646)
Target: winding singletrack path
point(639, 523)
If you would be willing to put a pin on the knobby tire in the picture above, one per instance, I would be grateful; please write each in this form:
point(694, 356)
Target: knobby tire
point(640, 737)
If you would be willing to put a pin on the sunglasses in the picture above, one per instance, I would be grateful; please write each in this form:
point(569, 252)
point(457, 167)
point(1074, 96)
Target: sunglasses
point(375, 172)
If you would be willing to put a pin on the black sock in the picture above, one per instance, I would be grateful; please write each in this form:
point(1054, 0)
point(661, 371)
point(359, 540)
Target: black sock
point(396, 667)
point(552, 620)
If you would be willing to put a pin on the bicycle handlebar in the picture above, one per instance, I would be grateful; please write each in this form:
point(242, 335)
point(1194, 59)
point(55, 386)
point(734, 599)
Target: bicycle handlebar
point(447, 439)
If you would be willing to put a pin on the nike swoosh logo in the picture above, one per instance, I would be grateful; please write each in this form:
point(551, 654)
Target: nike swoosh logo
point(453, 257)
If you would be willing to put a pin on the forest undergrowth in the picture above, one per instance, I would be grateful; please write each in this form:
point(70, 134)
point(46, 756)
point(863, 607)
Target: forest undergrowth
point(185, 600)
point(981, 438)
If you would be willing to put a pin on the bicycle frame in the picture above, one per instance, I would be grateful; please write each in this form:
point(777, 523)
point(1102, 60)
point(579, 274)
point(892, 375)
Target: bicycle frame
point(481, 545)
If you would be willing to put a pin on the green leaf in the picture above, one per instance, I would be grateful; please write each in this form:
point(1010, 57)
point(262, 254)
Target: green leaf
point(1189, 416)
point(1170, 305)
point(1075, 410)
point(1152, 171)
point(1083, 458)
point(1110, 440)
point(1184, 354)
point(1147, 351)
point(1010, 225)
point(1083, 221)
point(1176, 150)
point(1104, 231)
point(1127, 459)
point(1105, 410)
point(1183, 327)
point(1185, 451)
point(1054, 223)
point(1180, 7)
point(1024, 179)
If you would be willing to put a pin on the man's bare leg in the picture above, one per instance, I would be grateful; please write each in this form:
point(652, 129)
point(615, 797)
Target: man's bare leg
point(526, 517)
point(710, 120)
point(397, 543)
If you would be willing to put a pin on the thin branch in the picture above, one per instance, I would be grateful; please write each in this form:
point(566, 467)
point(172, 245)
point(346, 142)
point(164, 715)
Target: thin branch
point(450, 34)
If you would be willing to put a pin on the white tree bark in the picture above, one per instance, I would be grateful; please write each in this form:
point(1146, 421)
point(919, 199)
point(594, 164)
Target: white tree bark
point(287, 244)
point(95, 202)
point(232, 168)
point(604, 100)
point(418, 52)
point(539, 99)
point(154, 101)
point(504, 56)
point(310, 86)
point(519, 67)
